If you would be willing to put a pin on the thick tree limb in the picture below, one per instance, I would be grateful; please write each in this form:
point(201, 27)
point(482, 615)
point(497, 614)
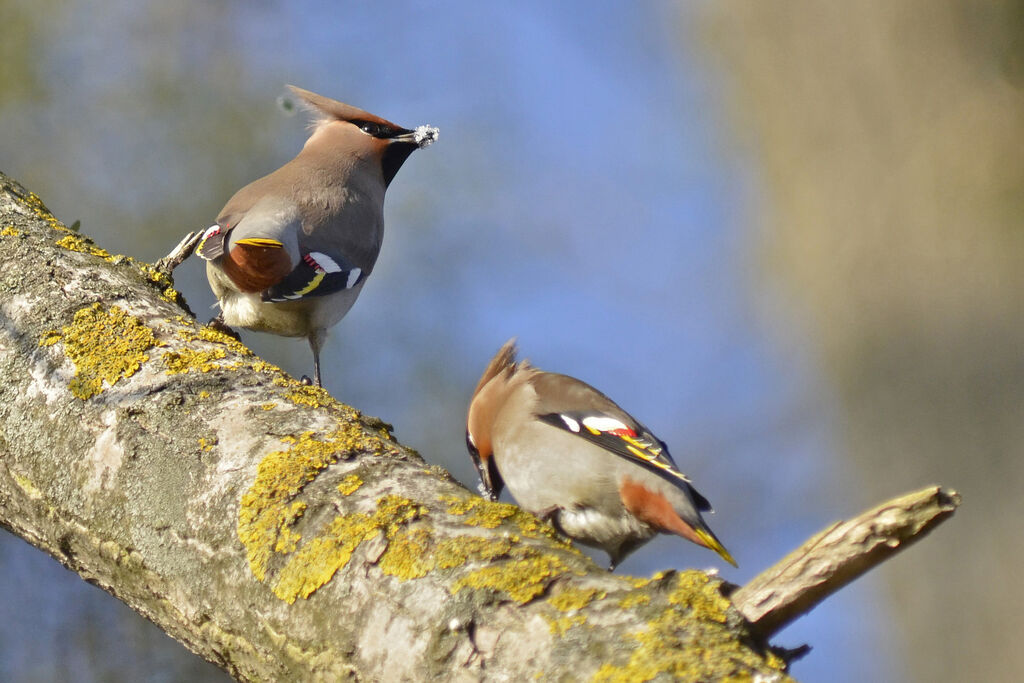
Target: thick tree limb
point(838, 555)
point(281, 534)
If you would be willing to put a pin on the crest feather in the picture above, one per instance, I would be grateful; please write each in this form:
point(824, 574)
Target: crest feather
point(325, 110)
point(503, 360)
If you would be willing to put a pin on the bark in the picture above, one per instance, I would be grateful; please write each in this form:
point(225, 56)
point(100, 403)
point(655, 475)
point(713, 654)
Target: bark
point(838, 555)
point(278, 533)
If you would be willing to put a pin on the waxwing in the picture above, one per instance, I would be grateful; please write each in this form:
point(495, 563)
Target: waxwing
point(291, 251)
point(570, 455)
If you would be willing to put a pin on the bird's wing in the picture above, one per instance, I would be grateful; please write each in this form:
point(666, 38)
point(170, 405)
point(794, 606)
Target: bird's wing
point(634, 443)
point(317, 274)
point(213, 242)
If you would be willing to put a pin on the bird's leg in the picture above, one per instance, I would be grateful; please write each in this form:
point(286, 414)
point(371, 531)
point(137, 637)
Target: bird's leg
point(217, 323)
point(181, 252)
point(316, 340)
point(551, 516)
point(548, 514)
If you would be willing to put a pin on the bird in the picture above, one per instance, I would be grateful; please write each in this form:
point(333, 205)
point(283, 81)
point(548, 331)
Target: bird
point(291, 251)
point(573, 457)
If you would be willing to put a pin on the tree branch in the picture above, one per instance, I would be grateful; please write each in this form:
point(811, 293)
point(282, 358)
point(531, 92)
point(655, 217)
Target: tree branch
point(838, 555)
point(278, 533)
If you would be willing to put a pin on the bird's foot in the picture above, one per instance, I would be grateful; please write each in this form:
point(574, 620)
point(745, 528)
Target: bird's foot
point(306, 381)
point(218, 324)
point(178, 255)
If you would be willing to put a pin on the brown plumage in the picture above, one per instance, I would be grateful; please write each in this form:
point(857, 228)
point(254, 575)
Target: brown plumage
point(290, 251)
point(568, 453)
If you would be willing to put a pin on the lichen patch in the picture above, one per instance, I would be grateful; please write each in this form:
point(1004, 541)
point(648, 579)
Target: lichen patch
point(106, 345)
point(268, 515)
point(689, 641)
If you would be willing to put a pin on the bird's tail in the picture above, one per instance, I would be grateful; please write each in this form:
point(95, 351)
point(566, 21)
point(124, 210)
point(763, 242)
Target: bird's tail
point(709, 540)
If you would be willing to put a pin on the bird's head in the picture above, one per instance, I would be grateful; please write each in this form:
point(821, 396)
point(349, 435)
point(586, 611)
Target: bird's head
point(343, 129)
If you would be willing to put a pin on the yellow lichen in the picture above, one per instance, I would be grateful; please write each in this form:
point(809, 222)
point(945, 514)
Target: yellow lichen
point(10, 231)
point(521, 580)
point(415, 553)
point(181, 361)
point(207, 333)
point(489, 515)
point(561, 625)
point(350, 485)
point(308, 395)
point(105, 344)
point(80, 243)
point(691, 592)
point(49, 338)
point(319, 559)
point(575, 598)
point(288, 539)
point(268, 406)
point(159, 278)
point(635, 599)
point(266, 512)
point(688, 641)
point(204, 394)
point(35, 204)
point(26, 485)
point(207, 445)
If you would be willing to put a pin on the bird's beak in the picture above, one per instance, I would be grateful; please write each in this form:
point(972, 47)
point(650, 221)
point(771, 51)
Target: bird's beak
point(491, 483)
point(421, 136)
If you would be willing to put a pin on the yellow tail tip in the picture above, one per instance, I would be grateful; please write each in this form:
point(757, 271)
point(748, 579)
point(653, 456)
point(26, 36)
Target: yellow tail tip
point(712, 542)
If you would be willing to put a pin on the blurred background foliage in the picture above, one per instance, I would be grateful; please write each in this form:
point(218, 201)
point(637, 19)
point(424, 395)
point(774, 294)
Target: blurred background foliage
point(787, 236)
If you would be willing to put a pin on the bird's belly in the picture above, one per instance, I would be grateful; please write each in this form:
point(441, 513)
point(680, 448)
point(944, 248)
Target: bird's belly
point(248, 311)
point(286, 318)
point(596, 528)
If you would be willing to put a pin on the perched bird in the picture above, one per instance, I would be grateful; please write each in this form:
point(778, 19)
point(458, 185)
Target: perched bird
point(291, 251)
point(572, 456)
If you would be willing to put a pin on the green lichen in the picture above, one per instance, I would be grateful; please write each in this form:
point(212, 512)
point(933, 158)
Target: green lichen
point(319, 559)
point(266, 507)
point(105, 344)
point(689, 641)
point(521, 579)
point(575, 598)
point(350, 485)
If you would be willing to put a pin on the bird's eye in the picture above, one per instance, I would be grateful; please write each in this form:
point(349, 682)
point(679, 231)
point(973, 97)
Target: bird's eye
point(369, 127)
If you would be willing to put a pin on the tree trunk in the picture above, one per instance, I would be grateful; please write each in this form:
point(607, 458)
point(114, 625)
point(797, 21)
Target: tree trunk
point(281, 534)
